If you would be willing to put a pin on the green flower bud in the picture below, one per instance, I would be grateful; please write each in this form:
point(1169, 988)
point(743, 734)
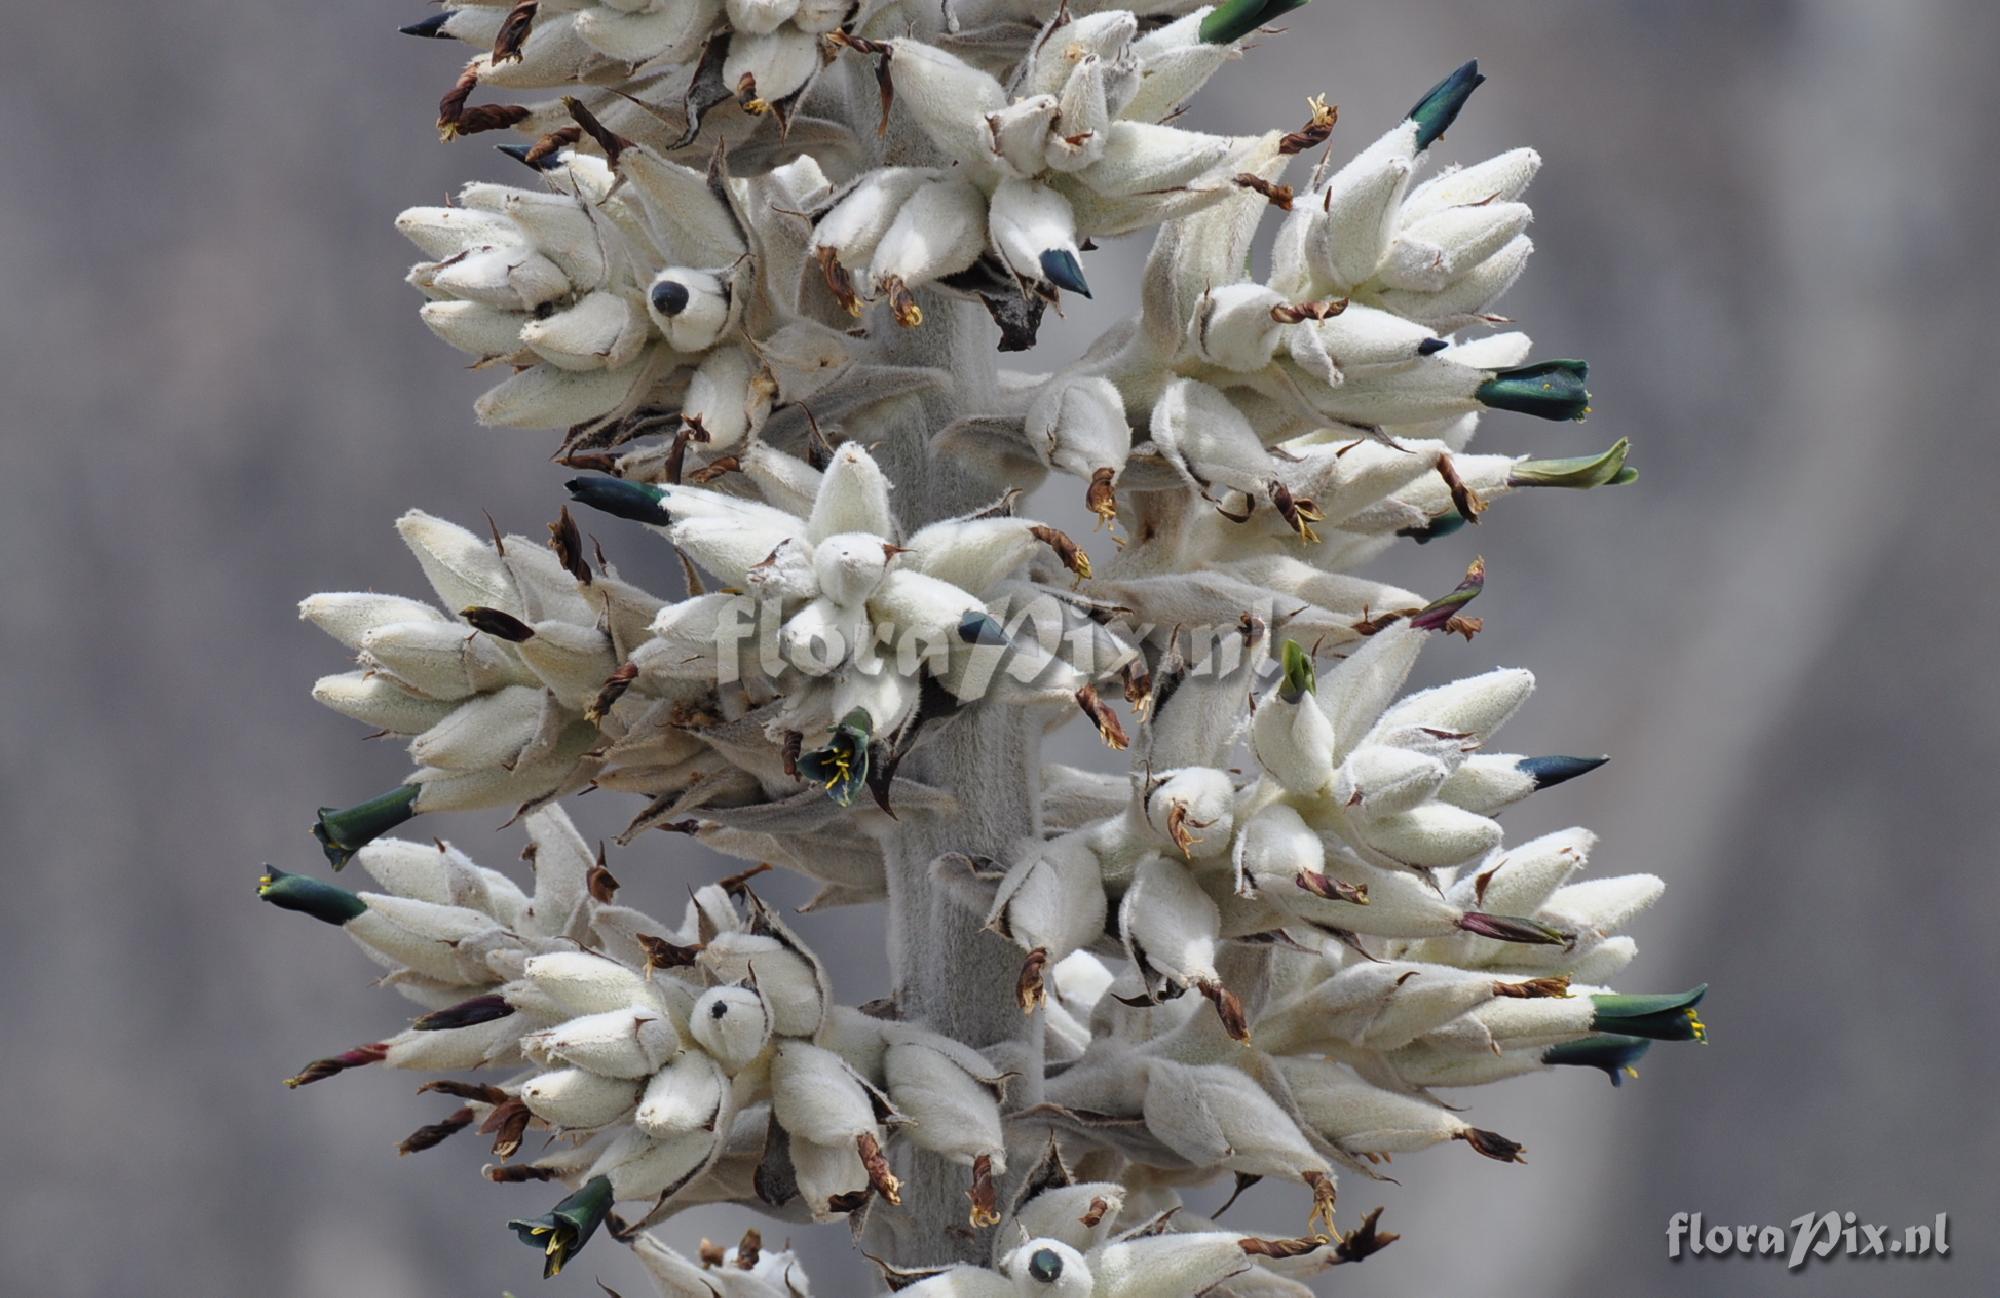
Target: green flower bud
point(1546, 389)
point(1605, 470)
point(1300, 678)
point(1436, 111)
point(1232, 20)
point(563, 1230)
point(325, 902)
point(1660, 1018)
point(342, 833)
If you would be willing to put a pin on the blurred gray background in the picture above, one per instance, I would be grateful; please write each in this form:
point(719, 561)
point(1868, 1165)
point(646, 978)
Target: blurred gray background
point(1769, 225)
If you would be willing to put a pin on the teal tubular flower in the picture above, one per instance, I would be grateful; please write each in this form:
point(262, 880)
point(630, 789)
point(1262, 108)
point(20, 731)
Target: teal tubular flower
point(325, 902)
point(1232, 20)
point(1547, 772)
point(1669, 1017)
point(1546, 390)
point(343, 832)
point(1614, 1055)
point(1438, 109)
point(841, 768)
point(563, 1230)
point(638, 501)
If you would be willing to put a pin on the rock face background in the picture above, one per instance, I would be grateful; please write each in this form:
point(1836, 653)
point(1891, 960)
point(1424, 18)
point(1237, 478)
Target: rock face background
point(1769, 227)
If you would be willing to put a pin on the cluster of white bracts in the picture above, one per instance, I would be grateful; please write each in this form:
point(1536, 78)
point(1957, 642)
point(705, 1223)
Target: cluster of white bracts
point(493, 720)
point(853, 610)
point(1324, 872)
point(629, 282)
point(1070, 147)
point(667, 1051)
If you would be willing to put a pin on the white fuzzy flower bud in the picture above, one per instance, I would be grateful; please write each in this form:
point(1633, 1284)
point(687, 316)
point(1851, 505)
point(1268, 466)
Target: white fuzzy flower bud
point(690, 307)
point(686, 1095)
point(627, 1043)
point(476, 328)
point(786, 980)
point(1502, 179)
point(1233, 327)
point(952, 1112)
point(946, 96)
point(1047, 1266)
point(672, 33)
point(731, 1024)
point(349, 616)
point(1054, 898)
point(777, 63)
point(940, 231)
point(1191, 812)
point(721, 399)
point(1170, 923)
point(816, 1097)
point(1034, 230)
point(574, 1099)
point(587, 984)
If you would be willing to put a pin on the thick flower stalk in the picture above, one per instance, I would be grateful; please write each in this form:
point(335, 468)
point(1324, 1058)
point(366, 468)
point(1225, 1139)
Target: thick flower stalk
point(754, 278)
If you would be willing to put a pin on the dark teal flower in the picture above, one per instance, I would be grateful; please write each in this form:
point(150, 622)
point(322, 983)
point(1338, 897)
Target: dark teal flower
point(1546, 389)
point(325, 902)
point(342, 833)
point(563, 1230)
point(638, 501)
point(1670, 1017)
point(1437, 110)
point(1548, 772)
point(841, 768)
point(1441, 526)
point(1613, 1055)
point(1232, 20)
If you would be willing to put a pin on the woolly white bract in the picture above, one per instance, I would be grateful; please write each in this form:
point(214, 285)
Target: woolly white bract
point(759, 238)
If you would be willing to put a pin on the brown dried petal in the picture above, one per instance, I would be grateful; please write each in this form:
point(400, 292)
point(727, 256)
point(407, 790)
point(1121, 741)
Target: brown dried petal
point(426, 1137)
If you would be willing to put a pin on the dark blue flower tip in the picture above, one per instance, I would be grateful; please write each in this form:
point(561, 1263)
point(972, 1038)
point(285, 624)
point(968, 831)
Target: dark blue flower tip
point(344, 831)
point(432, 26)
point(1061, 268)
point(328, 903)
point(1615, 1056)
point(980, 629)
point(1436, 111)
point(1547, 772)
point(1232, 20)
point(562, 1231)
point(1432, 346)
point(519, 152)
point(1045, 1265)
point(639, 501)
point(1668, 1017)
point(670, 298)
point(1547, 390)
point(1438, 528)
